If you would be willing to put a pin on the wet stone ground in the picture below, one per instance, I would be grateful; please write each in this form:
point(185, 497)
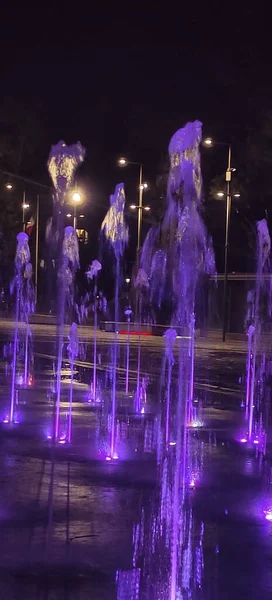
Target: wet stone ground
point(66, 516)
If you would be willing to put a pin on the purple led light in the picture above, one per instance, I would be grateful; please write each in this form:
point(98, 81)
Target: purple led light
point(142, 411)
point(243, 440)
point(6, 420)
point(268, 514)
point(256, 442)
point(108, 458)
point(115, 456)
point(172, 443)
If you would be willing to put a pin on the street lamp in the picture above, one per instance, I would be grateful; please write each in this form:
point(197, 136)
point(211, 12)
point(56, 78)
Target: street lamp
point(209, 142)
point(9, 186)
point(76, 200)
point(123, 162)
point(25, 206)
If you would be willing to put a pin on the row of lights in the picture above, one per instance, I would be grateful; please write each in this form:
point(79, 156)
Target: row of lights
point(76, 197)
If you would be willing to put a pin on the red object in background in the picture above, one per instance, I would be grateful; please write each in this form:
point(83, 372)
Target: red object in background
point(135, 332)
point(29, 226)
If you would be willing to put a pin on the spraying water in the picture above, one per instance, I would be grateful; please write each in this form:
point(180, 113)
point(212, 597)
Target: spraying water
point(141, 284)
point(181, 251)
point(170, 337)
point(62, 163)
point(73, 353)
point(91, 274)
point(262, 290)
point(70, 264)
point(116, 233)
point(23, 286)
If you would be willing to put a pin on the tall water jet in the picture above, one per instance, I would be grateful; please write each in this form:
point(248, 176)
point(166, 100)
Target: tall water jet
point(128, 313)
point(62, 164)
point(141, 284)
point(91, 274)
point(22, 283)
point(170, 337)
point(254, 332)
point(69, 266)
point(73, 353)
point(116, 234)
point(181, 251)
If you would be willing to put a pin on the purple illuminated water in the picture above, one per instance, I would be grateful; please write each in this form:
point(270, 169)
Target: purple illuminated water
point(62, 163)
point(185, 253)
point(116, 234)
point(92, 274)
point(258, 312)
point(22, 284)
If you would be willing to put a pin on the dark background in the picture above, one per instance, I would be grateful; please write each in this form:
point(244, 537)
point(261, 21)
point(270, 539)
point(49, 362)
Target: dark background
point(122, 83)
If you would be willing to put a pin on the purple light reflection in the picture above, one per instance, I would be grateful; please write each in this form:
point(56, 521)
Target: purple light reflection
point(268, 514)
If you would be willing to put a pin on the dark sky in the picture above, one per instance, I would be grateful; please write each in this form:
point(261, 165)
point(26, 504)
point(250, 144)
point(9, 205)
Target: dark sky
point(123, 83)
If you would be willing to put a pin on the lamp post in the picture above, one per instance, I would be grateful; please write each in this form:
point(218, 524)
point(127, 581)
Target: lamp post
point(209, 142)
point(25, 207)
point(123, 162)
point(77, 199)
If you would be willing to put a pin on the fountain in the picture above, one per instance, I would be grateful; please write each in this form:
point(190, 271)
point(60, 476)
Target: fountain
point(170, 337)
point(73, 353)
point(22, 283)
point(141, 284)
point(116, 234)
point(91, 274)
point(62, 163)
point(259, 309)
point(181, 251)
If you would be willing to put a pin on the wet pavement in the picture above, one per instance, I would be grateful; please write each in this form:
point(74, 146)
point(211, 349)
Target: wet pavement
point(67, 516)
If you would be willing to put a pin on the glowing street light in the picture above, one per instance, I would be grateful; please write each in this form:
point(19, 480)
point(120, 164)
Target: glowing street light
point(146, 208)
point(81, 216)
point(122, 162)
point(69, 215)
point(222, 194)
point(76, 197)
point(25, 206)
point(76, 200)
point(127, 280)
point(9, 186)
point(209, 142)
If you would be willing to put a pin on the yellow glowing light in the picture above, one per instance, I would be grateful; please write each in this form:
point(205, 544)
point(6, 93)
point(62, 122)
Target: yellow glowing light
point(122, 162)
point(146, 207)
point(25, 206)
point(76, 197)
point(81, 216)
point(220, 194)
point(127, 280)
point(133, 206)
point(237, 195)
point(9, 186)
point(208, 142)
point(69, 215)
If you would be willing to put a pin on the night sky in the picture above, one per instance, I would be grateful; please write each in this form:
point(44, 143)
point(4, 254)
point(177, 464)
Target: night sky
point(87, 77)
